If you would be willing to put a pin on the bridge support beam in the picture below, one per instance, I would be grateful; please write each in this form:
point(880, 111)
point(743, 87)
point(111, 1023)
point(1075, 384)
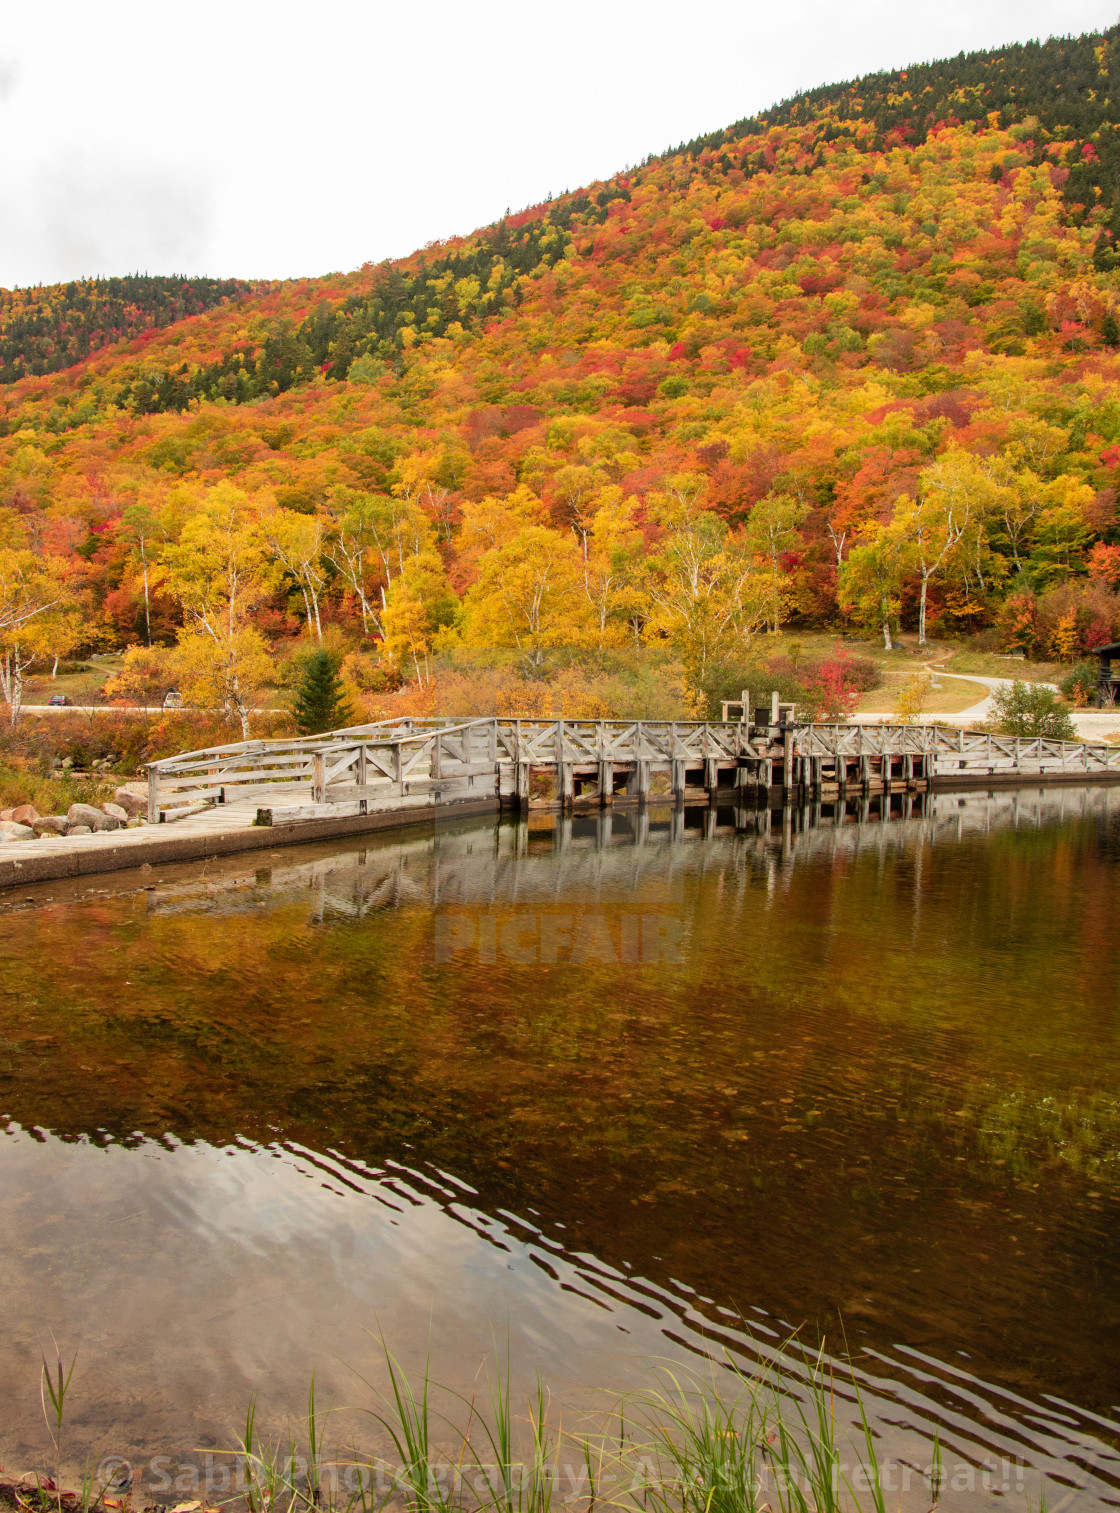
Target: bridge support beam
point(637, 785)
point(677, 781)
point(606, 784)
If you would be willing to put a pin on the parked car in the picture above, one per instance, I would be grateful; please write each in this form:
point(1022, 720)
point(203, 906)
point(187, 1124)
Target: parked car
point(58, 700)
point(173, 699)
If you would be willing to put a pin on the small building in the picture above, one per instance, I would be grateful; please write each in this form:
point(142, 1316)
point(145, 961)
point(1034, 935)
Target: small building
point(1108, 682)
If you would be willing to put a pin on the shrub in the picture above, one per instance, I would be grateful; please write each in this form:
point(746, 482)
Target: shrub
point(833, 687)
point(1079, 686)
point(1031, 709)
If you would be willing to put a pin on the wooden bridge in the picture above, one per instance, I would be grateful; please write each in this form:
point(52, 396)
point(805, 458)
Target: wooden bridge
point(408, 764)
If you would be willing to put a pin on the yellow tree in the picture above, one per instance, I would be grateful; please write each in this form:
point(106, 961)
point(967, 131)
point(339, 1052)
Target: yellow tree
point(144, 530)
point(295, 542)
point(36, 602)
point(353, 547)
point(419, 604)
point(491, 522)
point(575, 487)
point(957, 494)
point(612, 566)
point(870, 583)
point(707, 595)
point(771, 530)
point(220, 572)
point(528, 597)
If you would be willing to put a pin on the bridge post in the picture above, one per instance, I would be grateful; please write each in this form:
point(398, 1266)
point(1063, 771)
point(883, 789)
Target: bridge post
point(523, 773)
point(787, 764)
point(711, 777)
point(435, 768)
point(677, 779)
point(606, 784)
point(565, 784)
point(361, 774)
point(317, 784)
point(153, 795)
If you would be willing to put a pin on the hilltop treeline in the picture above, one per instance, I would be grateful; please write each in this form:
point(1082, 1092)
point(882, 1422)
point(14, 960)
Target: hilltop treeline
point(44, 329)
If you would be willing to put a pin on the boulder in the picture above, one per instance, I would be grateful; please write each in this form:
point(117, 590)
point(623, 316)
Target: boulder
point(9, 831)
point(50, 824)
point(25, 814)
point(116, 812)
point(78, 830)
point(6, 814)
point(86, 814)
point(132, 803)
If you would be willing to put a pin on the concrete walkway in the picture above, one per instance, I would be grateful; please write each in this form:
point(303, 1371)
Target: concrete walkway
point(219, 831)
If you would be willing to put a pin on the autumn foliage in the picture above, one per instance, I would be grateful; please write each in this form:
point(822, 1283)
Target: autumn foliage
point(851, 365)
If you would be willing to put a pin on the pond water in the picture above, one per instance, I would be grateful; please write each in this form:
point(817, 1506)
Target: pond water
point(603, 1091)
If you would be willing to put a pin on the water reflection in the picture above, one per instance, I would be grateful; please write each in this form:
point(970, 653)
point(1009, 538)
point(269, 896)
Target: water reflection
point(877, 1081)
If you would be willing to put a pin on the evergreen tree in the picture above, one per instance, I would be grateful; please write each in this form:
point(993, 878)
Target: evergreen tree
point(1110, 331)
point(320, 703)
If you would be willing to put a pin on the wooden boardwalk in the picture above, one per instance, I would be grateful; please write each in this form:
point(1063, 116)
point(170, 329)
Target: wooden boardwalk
point(257, 795)
point(401, 765)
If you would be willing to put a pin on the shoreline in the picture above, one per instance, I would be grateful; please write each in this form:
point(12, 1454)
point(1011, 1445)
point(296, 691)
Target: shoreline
point(225, 831)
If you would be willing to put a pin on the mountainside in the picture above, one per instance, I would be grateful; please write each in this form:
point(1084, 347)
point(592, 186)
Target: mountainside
point(45, 329)
point(849, 364)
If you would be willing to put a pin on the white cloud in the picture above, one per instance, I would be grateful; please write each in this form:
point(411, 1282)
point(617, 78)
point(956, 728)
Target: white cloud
point(270, 140)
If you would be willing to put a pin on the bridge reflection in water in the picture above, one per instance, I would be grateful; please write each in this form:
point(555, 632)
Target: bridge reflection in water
point(611, 854)
point(876, 1083)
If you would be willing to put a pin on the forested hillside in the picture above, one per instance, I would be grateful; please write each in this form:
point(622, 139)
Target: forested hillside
point(849, 366)
point(45, 329)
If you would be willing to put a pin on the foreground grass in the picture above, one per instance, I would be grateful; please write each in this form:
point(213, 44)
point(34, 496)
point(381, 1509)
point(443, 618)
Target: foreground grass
point(711, 1439)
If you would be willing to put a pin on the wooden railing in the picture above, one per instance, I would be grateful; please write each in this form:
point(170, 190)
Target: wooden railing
point(400, 763)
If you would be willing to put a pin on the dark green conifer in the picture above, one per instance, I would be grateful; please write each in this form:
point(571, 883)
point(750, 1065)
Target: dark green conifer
point(1110, 331)
point(320, 702)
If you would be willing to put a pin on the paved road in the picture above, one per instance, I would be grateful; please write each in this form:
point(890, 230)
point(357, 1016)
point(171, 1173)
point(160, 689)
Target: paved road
point(93, 709)
point(982, 709)
point(1090, 724)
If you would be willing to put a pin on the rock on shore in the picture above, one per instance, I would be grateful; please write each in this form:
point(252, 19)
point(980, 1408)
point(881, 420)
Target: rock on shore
point(96, 819)
point(51, 824)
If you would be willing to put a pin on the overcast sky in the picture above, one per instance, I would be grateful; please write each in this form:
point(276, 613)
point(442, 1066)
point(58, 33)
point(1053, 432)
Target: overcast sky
point(234, 137)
